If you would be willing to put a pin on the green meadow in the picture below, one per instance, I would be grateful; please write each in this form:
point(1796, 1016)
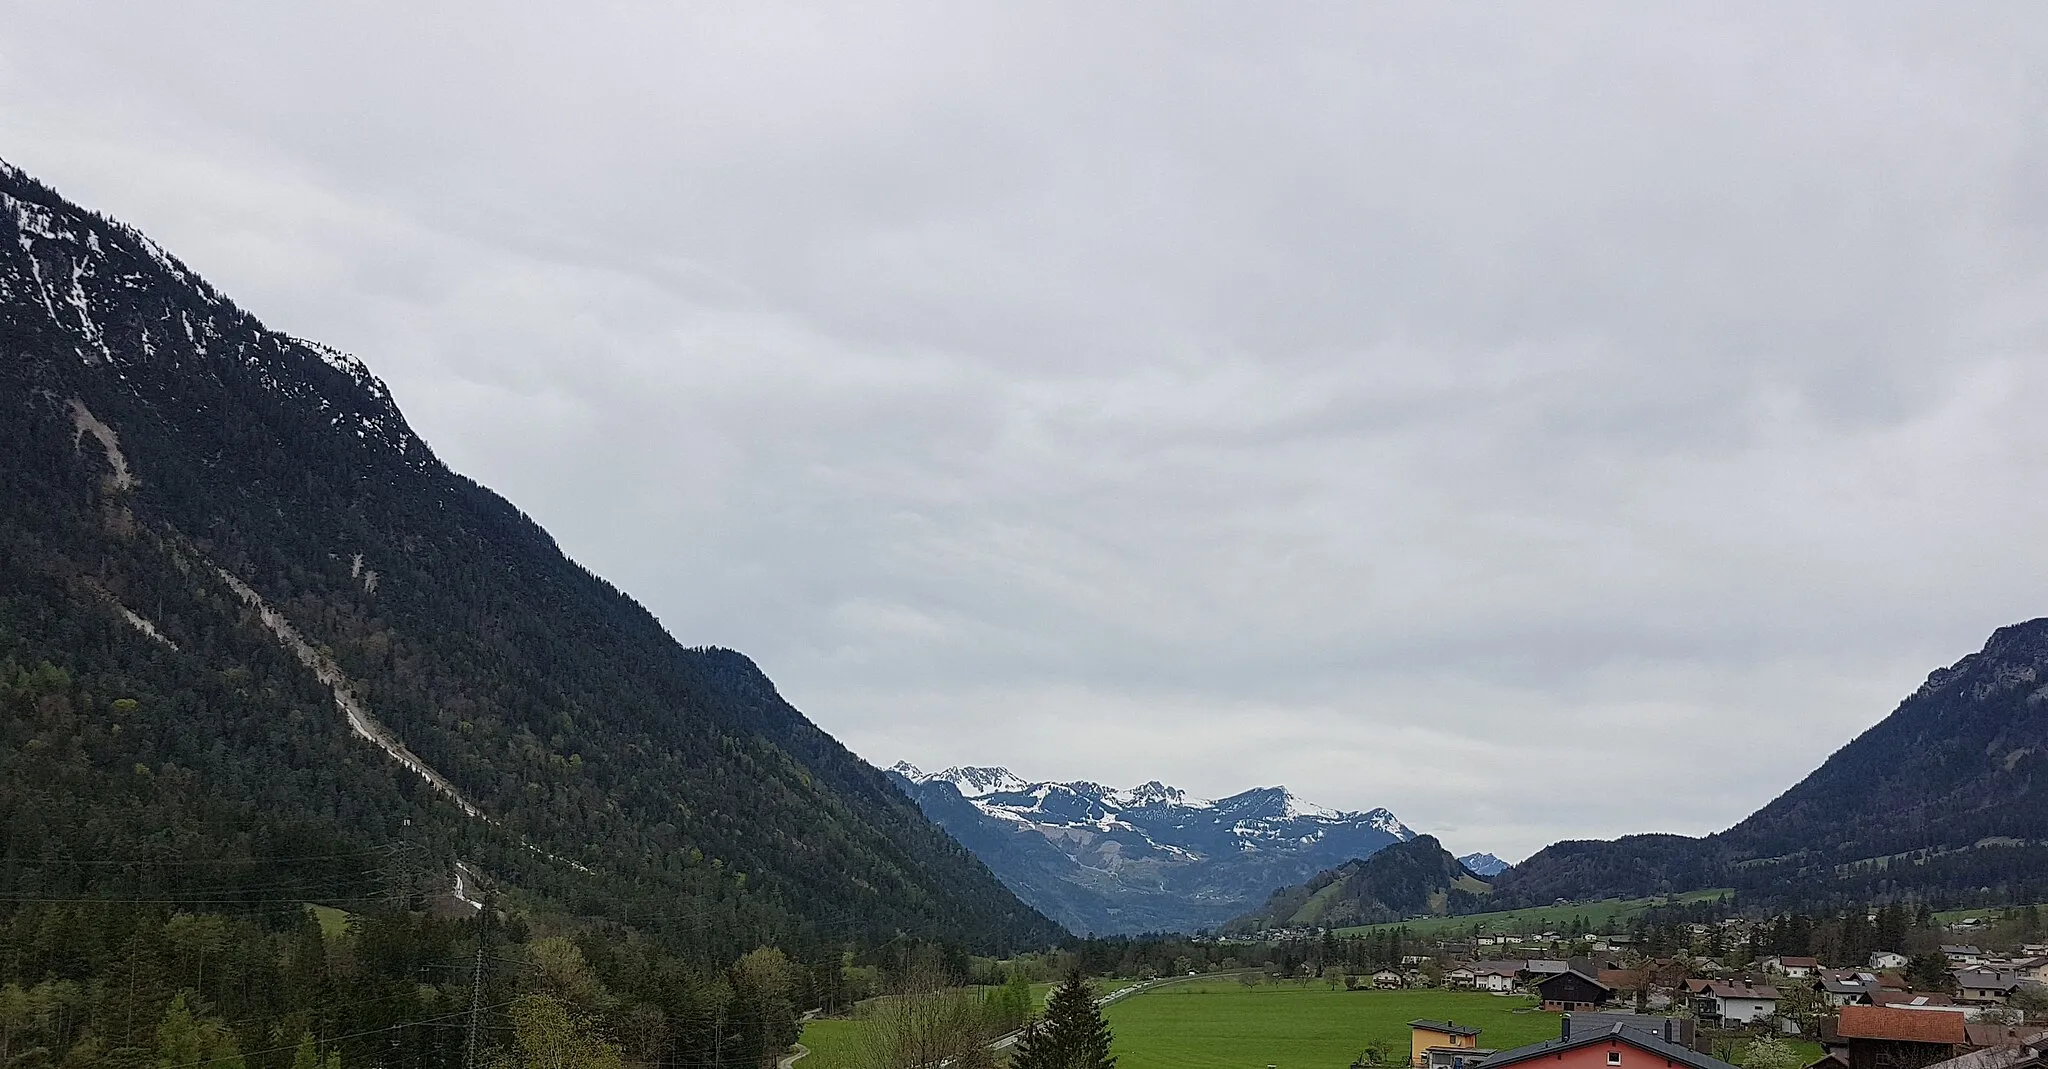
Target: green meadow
point(1295, 1025)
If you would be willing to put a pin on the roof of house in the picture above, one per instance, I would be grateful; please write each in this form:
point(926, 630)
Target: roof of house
point(1614, 1034)
point(1449, 1028)
point(1987, 1034)
point(1988, 979)
point(1846, 985)
point(1911, 1026)
point(1499, 968)
point(1800, 963)
point(1911, 998)
point(1741, 990)
point(1616, 979)
point(1994, 1058)
point(1554, 977)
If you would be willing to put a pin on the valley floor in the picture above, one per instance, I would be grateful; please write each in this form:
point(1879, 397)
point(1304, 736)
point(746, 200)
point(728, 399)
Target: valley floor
point(1290, 1025)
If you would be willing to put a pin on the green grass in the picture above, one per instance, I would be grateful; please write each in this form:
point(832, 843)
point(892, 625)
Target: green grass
point(831, 1041)
point(1222, 1023)
point(1603, 915)
point(1987, 914)
point(333, 922)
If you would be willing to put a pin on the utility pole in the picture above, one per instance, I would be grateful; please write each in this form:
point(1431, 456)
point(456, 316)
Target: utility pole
point(476, 992)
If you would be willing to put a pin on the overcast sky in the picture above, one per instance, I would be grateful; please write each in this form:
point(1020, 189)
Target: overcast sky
point(1419, 406)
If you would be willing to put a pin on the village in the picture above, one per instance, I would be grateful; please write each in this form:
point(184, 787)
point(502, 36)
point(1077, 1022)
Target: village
point(1953, 1006)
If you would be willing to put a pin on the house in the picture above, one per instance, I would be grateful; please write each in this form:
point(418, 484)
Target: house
point(1431, 1043)
point(1844, 987)
point(1889, 1038)
point(1738, 1002)
point(1386, 978)
point(2034, 968)
point(1625, 982)
point(1796, 968)
point(1985, 987)
point(1458, 977)
point(1887, 959)
point(1679, 1030)
point(1572, 990)
point(1962, 954)
point(1581, 1047)
point(1499, 977)
point(1914, 1000)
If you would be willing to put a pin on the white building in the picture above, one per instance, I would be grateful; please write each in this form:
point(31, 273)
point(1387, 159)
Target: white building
point(1742, 1003)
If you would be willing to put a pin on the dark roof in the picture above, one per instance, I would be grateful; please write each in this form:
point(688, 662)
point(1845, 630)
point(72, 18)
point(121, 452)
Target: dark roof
point(1615, 1034)
point(1594, 980)
point(1910, 1026)
point(1988, 979)
point(1446, 1027)
point(1911, 998)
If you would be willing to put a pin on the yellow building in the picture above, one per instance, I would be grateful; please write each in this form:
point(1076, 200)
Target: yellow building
point(1443, 1037)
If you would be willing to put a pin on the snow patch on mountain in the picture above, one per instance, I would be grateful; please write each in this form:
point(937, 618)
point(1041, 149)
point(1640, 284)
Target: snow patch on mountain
point(1160, 817)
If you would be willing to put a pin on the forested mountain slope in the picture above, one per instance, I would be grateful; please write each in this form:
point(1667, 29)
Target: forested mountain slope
point(216, 540)
point(1415, 878)
point(1946, 798)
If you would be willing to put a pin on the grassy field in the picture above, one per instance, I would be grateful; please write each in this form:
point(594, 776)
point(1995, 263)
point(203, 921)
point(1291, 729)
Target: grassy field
point(333, 922)
point(1604, 915)
point(831, 1041)
point(1294, 1025)
point(1987, 914)
point(1298, 1026)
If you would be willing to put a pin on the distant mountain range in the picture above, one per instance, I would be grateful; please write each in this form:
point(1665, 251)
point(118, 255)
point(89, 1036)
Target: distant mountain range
point(1103, 860)
point(1945, 799)
point(1415, 878)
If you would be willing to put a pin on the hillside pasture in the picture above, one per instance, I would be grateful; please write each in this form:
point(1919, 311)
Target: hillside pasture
point(1605, 915)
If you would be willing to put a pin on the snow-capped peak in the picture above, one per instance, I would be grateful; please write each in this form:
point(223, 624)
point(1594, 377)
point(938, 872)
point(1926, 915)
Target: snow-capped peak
point(1154, 792)
point(981, 781)
point(907, 770)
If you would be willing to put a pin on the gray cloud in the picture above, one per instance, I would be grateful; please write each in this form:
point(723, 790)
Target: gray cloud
point(1395, 404)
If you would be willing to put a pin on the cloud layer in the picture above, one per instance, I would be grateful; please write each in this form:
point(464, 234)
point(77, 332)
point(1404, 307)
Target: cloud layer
point(1416, 407)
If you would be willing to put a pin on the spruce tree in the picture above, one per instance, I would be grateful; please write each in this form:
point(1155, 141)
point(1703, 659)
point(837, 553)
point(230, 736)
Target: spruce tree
point(1071, 1035)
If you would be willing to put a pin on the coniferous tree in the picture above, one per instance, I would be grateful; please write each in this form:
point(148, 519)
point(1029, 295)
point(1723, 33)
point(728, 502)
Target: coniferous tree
point(1071, 1035)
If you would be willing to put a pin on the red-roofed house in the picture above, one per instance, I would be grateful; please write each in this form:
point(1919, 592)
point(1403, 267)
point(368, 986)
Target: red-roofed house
point(1884, 1038)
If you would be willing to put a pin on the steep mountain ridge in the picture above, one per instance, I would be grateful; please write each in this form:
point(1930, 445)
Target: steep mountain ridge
point(1150, 858)
point(1946, 797)
point(187, 490)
